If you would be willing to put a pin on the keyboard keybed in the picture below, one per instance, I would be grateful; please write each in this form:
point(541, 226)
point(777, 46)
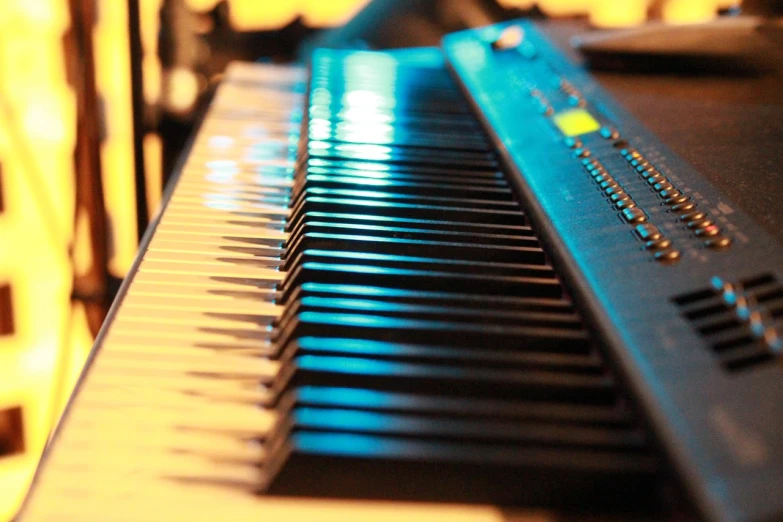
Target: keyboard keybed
point(428, 349)
point(361, 313)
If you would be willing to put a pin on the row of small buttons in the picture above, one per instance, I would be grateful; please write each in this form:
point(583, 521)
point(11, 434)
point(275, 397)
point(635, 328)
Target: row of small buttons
point(676, 200)
point(654, 240)
point(575, 97)
point(541, 102)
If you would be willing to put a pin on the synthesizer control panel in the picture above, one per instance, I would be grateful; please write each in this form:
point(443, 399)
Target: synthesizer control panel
point(685, 287)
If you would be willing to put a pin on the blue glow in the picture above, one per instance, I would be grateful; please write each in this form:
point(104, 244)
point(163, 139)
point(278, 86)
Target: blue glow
point(350, 365)
point(362, 255)
point(365, 149)
point(364, 174)
point(359, 202)
point(355, 181)
point(353, 289)
point(344, 444)
point(360, 115)
point(378, 167)
point(343, 396)
point(264, 151)
point(356, 346)
point(222, 166)
point(380, 322)
point(359, 269)
point(341, 419)
point(353, 193)
point(353, 304)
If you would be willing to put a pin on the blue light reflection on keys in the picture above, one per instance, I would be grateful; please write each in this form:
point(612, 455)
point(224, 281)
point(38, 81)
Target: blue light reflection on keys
point(359, 346)
point(333, 396)
point(356, 165)
point(350, 365)
point(365, 108)
point(344, 444)
point(359, 180)
point(342, 419)
point(353, 289)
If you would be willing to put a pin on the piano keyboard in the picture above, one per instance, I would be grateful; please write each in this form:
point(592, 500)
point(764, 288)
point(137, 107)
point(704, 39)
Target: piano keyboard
point(379, 319)
point(364, 313)
point(429, 350)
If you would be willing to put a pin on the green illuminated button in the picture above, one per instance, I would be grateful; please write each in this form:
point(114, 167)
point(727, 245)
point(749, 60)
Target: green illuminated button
point(575, 122)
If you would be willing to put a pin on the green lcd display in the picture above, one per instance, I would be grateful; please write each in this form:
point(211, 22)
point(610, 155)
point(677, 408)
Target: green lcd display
point(575, 122)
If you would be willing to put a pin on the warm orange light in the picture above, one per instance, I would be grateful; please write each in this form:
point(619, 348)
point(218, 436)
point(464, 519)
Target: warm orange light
point(112, 53)
point(181, 89)
point(618, 13)
point(153, 157)
point(248, 15)
point(317, 13)
point(689, 11)
point(519, 4)
point(564, 7)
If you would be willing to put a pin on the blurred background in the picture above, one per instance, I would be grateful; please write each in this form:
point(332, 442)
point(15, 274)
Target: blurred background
point(98, 99)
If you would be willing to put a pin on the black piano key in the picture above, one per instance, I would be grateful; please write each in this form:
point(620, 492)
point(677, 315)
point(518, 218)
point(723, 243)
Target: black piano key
point(460, 178)
point(422, 234)
point(498, 383)
point(446, 298)
point(406, 210)
point(367, 219)
point(617, 414)
point(410, 123)
point(447, 190)
point(423, 263)
point(314, 463)
point(399, 155)
point(422, 134)
point(445, 105)
point(484, 431)
point(431, 332)
point(418, 280)
point(455, 356)
point(412, 247)
point(440, 171)
point(390, 197)
point(399, 140)
point(428, 312)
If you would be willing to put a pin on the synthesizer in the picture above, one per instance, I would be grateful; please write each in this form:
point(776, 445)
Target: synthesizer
point(451, 284)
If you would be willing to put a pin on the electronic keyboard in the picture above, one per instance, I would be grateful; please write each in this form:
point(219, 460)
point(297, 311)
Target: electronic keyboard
point(450, 284)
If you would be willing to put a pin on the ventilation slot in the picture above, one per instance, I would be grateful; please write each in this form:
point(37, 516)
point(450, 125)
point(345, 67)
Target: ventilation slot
point(11, 432)
point(6, 311)
point(741, 320)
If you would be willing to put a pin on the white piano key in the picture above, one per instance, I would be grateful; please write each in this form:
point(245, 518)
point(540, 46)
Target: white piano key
point(169, 267)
